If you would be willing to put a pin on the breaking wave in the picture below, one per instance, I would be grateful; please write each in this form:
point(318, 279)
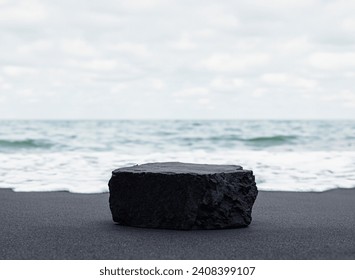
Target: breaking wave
point(271, 140)
point(24, 144)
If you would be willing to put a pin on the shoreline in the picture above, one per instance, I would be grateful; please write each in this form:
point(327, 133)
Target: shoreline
point(286, 225)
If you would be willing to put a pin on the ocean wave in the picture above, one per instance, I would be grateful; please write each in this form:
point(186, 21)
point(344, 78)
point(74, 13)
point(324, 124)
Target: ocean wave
point(24, 144)
point(79, 156)
point(261, 141)
point(270, 140)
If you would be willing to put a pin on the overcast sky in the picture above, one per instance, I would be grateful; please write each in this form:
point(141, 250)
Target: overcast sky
point(122, 59)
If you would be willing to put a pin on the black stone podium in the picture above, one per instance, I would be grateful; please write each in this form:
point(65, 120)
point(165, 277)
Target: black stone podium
point(174, 195)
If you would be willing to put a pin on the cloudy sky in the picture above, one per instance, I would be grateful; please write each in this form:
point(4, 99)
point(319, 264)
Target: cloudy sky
point(177, 59)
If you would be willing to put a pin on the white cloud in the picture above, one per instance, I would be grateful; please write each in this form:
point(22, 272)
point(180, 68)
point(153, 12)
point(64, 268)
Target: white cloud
point(183, 43)
point(298, 45)
point(191, 92)
point(225, 20)
point(37, 46)
point(179, 51)
point(77, 47)
point(227, 84)
point(119, 88)
point(26, 93)
point(237, 62)
point(141, 4)
point(281, 5)
point(23, 11)
point(157, 84)
point(4, 85)
point(259, 92)
point(204, 101)
point(346, 97)
point(349, 74)
point(288, 80)
point(348, 24)
point(94, 64)
point(12, 70)
point(246, 44)
point(135, 49)
point(340, 8)
point(332, 60)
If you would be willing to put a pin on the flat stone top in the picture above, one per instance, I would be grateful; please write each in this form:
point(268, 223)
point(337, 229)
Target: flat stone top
point(179, 168)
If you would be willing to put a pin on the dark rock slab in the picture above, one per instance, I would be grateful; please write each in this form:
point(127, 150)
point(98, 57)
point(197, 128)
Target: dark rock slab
point(185, 196)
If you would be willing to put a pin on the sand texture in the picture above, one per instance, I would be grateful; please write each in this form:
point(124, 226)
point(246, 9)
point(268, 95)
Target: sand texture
point(286, 225)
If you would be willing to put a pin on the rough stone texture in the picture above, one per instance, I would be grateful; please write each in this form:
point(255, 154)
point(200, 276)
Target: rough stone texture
point(185, 196)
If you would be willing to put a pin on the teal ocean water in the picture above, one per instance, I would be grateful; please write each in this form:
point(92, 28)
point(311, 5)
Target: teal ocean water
point(78, 156)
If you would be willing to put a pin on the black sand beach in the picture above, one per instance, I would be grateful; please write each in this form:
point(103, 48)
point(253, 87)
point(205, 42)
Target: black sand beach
point(286, 225)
